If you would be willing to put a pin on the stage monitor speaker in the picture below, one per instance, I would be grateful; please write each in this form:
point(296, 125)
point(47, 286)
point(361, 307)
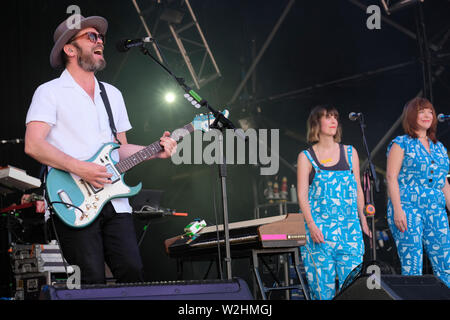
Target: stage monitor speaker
point(235, 289)
point(396, 287)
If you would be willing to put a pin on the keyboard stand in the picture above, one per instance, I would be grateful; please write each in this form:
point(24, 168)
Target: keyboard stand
point(253, 255)
point(293, 251)
point(211, 259)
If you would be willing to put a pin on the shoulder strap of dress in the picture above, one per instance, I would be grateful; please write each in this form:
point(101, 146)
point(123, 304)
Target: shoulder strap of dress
point(314, 164)
point(349, 153)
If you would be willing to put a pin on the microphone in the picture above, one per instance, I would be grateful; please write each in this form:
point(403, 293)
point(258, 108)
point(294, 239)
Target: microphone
point(354, 116)
point(125, 44)
point(443, 117)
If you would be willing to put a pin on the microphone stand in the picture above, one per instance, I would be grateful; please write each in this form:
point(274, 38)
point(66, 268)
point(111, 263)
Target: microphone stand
point(221, 123)
point(369, 181)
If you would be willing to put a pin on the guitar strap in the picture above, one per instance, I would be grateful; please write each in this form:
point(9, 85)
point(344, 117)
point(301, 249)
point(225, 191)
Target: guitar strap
point(108, 110)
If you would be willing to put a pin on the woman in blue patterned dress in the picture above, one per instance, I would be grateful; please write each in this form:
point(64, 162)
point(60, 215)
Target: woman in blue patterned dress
point(332, 201)
point(417, 166)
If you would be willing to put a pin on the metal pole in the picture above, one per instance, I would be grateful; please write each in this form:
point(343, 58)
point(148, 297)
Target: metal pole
point(147, 29)
point(202, 36)
point(263, 49)
point(425, 54)
point(334, 82)
point(184, 54)
point(402, 29)
point(402, 4)
point(223, 175)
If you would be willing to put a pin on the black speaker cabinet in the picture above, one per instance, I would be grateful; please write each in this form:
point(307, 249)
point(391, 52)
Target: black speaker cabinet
point(396, 287)
point(235, 289)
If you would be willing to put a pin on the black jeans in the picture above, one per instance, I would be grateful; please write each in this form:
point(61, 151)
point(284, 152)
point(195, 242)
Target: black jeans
point(111, 238)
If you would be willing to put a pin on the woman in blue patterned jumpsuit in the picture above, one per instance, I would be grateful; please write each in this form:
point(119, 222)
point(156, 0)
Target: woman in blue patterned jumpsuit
point(417, 167)
point(332, 201)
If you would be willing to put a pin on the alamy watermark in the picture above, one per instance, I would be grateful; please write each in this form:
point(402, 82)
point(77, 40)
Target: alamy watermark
point(233, 149)
point(374, 20)
point(374, 280)
point(74, 21)
point(74, 280)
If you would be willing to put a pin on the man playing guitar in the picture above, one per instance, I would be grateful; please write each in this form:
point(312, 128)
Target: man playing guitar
point(67, 123)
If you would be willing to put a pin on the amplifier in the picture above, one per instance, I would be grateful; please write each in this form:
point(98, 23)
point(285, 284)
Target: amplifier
point(397, 287)
point(38, 258)
point(28, 286)
point(235, 289)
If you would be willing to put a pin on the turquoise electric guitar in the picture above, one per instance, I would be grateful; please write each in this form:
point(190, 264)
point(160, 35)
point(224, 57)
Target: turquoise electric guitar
point(77, 203)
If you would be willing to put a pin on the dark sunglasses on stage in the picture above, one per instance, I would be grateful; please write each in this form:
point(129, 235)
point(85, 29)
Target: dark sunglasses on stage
point(92, 36)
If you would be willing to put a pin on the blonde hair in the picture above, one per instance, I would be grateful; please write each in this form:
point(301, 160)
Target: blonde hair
point(313, 124)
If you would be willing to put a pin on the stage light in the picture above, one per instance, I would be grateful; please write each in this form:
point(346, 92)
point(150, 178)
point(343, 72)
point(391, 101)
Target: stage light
point(170, 97)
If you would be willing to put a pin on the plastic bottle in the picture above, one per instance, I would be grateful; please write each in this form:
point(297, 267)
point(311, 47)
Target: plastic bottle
point(293, 192)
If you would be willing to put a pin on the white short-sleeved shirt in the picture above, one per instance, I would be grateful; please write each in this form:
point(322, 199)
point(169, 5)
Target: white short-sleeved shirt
point(79, 125)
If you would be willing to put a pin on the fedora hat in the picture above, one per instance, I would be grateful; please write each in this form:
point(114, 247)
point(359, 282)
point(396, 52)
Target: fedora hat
point(64, 33)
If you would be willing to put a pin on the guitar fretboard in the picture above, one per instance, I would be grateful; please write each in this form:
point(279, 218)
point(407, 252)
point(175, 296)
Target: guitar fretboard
point(151, 150)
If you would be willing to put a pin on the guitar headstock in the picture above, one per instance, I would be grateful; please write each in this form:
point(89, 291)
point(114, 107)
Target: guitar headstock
point(203, 121)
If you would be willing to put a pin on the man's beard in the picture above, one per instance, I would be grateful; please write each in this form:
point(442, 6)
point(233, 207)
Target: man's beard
point(87, 63)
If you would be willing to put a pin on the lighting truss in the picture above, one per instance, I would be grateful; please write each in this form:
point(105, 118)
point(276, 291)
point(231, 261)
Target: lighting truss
point(179, 17)
point(390, 6)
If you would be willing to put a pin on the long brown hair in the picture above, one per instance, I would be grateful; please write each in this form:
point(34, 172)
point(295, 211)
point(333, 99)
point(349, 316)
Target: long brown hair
point(409, 116)
point(313, 124)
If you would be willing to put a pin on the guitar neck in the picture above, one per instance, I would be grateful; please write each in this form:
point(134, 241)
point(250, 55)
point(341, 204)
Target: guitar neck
point(151, 150)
